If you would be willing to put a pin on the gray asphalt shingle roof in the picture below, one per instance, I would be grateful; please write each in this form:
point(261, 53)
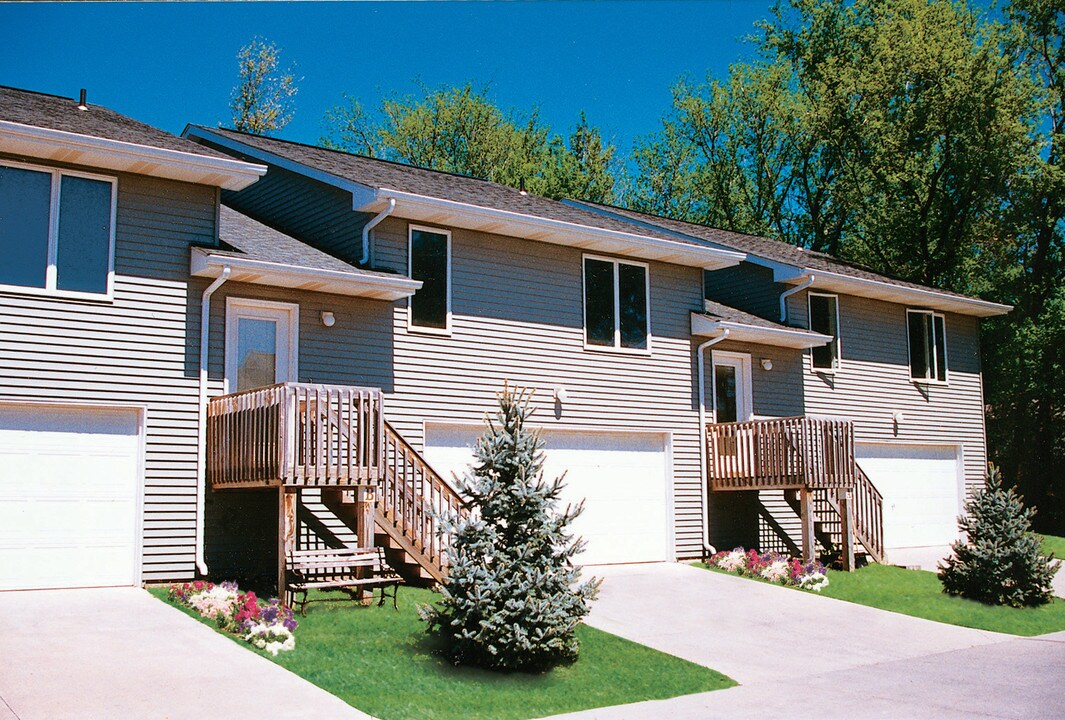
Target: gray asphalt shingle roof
point(717, 311)
point(376, 173)
point(768, 249)
point(59, 113)
point(251, 239)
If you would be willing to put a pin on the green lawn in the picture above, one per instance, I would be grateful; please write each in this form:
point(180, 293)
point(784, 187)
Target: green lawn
point(1056, 545)
point(920, 594)
point(380, 661)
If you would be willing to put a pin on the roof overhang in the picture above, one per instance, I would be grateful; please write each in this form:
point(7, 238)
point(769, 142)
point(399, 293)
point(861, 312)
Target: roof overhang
point(456, 214)
point(880, 290)
point(706, 326)
point(205, 263)
point(77, 149)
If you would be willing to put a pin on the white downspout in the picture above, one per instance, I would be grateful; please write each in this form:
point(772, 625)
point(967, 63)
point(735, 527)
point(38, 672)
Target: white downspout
point(370, 226)
point(788, 293)
point(201, 425)
point(707, 547)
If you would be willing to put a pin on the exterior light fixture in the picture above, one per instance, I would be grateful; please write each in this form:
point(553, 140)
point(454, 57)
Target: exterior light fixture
point(328, 319)
point(560, 394)
point(767, 364)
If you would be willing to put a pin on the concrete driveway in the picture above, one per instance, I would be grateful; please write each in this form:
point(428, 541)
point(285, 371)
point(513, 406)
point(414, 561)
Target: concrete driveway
point(798, 655)
point(120, 653)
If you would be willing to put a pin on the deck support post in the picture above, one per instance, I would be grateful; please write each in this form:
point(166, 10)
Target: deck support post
point(809, 551)
point(364, 507)
point(846, 519)
point(286, 537)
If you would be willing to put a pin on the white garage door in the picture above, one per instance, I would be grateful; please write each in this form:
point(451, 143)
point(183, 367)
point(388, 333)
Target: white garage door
point(921, 489)
point(69, 489)
point(622, 477)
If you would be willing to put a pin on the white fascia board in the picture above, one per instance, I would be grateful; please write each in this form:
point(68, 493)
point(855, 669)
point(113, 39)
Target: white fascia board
point(361, 195)
point(703, 326)
point(880, 290)
point(204, 263)
point(574, 234)
point(78, 149)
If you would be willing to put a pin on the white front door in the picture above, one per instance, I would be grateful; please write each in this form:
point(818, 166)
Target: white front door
point(70, 494)
point(261, 343)
point(732, 386)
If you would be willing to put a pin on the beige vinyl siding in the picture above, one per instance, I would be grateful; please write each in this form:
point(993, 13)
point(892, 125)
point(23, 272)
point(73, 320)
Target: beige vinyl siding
point(138, 350)
point(873, 381)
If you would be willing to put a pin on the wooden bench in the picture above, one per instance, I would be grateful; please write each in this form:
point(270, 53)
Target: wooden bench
point(363, 567)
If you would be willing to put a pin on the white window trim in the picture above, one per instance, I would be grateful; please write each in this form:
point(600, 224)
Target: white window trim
point(411, 327)
point(616, 347)
point(946, 364)
point(238, 307)
point(837, 362)
point(745, 391)
point(50, 275)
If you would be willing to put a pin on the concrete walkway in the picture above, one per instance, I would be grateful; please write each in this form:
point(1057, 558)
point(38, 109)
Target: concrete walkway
point(798, 655)
point(120, 653)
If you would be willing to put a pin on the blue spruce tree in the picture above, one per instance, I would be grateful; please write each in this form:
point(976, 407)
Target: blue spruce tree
point(513, 597)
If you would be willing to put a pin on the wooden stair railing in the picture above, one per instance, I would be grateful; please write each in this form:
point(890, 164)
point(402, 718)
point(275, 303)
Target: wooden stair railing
point(868, 505)
point(414, 502)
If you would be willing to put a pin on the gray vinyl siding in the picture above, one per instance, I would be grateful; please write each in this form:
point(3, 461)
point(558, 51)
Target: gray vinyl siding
point(873, 381)
point(517, 316)
point(309, 210)
point(746, 287)
point(140, 349)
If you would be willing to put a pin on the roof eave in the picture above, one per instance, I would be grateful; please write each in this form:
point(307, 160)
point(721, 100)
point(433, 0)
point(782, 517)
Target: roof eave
point(742, 332)
point(881, 290)
point(559, 232)
point(96, 152)
point(205, 263)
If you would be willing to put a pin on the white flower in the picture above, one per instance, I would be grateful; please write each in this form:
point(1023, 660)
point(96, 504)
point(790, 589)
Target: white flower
point(776, 571)
point(733, 561)
point(210, 603)
point(813, 581)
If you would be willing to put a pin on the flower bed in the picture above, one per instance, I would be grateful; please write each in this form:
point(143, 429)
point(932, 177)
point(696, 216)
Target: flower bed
point(772, 567)
point(267, 625)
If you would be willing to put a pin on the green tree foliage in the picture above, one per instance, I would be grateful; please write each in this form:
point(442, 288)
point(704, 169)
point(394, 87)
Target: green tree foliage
point(512, 599)
point(1000, 561)
point(920, 138)
point(262, 101)
point(459, 129)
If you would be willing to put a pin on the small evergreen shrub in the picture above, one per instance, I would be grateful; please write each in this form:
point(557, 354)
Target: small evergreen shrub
point(512, 599)
point(1000, 562)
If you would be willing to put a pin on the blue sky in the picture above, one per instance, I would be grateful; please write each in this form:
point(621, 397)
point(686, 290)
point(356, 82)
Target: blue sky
point(172, 63)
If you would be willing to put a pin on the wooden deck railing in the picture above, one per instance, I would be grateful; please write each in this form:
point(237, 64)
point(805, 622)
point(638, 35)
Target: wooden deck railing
point(868, 506)
point(295, 434)
point(781, 453)
point(415, 501)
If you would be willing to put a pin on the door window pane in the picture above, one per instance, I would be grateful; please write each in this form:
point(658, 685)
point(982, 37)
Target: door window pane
point(725, 393)
point(632, 300)
point(599, 320)
point(82, 256)
point(25, 207)
point(256, 353)
point(428, 263)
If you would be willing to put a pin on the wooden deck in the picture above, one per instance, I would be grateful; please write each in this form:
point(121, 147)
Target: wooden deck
point(295, 435)
point(813, 456)
point(781, 454)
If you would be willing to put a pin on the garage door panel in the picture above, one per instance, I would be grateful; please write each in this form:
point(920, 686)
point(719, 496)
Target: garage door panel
point(621, 476)
point(68, 496)
point(921, 491)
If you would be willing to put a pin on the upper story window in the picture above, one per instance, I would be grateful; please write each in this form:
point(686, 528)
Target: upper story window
point(57, 231)
point(928, 345)
point(430, 261)
point(615, 304)
point(824, 319)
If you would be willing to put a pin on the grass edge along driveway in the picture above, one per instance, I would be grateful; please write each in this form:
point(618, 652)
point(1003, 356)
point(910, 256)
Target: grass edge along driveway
point(380, 661)
point(918, 593)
